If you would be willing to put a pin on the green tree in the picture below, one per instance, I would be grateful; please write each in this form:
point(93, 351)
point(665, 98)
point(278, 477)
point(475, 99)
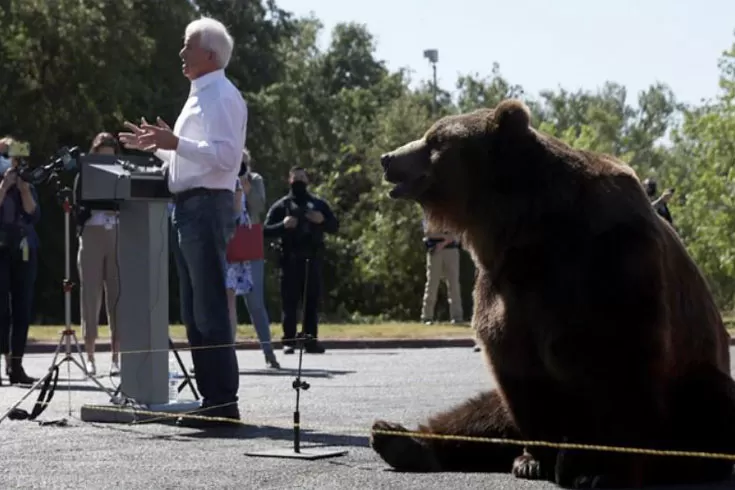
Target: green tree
point(389, 256)
point(72, 69)
point(476, 92)
point(705, 217)
point(702, 168)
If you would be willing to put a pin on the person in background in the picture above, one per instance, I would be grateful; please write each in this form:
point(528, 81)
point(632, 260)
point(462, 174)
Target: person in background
point(33, 240)
point(254, 199)
point(97, 264)
point(442, 262)
point(300, 220)
point(19, 212)
point(659, 203)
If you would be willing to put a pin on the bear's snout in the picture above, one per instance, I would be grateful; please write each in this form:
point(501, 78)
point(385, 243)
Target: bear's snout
point(408, 168)
point(385, 160)
point(405, 163)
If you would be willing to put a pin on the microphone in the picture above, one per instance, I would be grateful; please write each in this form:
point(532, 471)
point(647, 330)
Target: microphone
point(68, 159)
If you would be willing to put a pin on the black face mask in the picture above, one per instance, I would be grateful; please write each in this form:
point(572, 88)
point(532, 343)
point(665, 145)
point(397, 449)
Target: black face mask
point(298, 188)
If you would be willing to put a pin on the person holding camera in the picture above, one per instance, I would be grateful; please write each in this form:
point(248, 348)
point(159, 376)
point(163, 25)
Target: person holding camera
point(19, 212)
point(97, 263)
point(442, 262)
point(300, 220)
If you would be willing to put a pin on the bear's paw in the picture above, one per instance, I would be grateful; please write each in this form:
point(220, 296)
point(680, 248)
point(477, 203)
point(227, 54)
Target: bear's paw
point(401, 452)
point(527, 467)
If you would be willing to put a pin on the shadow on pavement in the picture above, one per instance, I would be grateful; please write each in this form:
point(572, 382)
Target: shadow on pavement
point(305, 373)
point(278, 434)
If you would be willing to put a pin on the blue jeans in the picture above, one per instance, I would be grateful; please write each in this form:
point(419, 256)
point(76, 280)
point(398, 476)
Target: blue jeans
point(255, 302)
point(203, 224)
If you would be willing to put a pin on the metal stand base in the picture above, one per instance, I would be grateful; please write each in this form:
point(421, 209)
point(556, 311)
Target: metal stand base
point(297, 452)
point(310, 454)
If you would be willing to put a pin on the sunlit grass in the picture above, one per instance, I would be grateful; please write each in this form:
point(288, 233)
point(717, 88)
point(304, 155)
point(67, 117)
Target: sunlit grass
point(358, 331)
point(45, 333)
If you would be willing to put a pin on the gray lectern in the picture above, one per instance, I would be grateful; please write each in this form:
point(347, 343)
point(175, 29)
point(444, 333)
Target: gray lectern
point(142, 194)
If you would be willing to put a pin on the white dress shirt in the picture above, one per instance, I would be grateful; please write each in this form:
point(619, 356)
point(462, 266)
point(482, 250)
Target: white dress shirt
point(212, 129)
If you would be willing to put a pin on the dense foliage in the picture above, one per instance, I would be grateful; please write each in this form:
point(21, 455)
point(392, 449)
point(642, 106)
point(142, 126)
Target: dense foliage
point(74, 68)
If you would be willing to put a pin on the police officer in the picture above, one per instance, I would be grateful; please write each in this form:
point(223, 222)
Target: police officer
point(300, 219)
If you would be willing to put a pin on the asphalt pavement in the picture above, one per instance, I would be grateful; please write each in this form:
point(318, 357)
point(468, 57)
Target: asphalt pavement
point(349, 389)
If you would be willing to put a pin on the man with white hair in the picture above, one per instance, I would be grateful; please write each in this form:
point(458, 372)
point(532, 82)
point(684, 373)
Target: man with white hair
point(202, 157)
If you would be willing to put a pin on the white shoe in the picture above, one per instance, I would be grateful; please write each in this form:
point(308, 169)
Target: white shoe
point(91, 368)
point(115, 369)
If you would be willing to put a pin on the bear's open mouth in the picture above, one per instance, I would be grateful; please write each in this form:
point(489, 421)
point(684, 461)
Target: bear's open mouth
point(409, 188)
point(399, 190)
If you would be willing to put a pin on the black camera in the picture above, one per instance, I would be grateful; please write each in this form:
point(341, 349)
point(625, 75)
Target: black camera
point(303, 227)
point(64, 160)
point(304, 239)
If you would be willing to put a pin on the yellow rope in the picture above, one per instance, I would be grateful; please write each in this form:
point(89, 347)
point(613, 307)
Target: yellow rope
point(424, 435)
point(157, 416)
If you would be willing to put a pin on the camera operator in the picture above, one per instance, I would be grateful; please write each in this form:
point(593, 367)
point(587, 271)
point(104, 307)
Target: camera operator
point(97, 263)
point(19, 211)
point(300, 220)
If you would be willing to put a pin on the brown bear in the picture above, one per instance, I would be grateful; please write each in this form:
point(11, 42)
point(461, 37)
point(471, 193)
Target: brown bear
point(597, 325)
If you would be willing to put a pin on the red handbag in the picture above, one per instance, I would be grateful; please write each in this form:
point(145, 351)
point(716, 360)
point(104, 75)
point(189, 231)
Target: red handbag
point(246, 244)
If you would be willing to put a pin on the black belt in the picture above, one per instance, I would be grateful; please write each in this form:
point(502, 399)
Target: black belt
point(196, 191)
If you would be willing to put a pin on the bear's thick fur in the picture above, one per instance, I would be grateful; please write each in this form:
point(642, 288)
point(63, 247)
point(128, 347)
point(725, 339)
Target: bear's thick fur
point(596, 324)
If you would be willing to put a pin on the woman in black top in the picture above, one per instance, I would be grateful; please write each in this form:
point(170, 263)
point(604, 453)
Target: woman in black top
point(19, 211)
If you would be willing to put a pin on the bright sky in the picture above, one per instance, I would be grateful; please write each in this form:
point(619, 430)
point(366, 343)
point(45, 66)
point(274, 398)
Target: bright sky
point(547, 43)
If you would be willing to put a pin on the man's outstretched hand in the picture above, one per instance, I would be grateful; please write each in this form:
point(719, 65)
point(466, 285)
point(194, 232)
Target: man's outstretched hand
point(148, 137)
point(131, 140)
point(159, 136)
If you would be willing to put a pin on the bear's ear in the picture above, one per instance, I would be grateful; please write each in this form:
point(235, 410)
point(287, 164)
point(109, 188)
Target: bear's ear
point(510, 115)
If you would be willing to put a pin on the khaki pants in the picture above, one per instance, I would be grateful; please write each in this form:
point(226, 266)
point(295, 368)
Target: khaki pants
point(98, 269)
point(443, 264)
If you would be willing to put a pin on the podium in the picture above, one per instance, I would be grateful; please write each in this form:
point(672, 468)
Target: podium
point(141, 192)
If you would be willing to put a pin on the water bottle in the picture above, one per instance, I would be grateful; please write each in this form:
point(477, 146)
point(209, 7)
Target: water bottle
point(173, 383)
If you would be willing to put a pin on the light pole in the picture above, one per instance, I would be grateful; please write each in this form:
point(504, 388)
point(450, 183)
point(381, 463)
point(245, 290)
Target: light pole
point(433, 56)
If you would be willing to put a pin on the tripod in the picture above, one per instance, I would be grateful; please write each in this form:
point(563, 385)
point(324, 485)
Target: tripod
point(68, 335)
